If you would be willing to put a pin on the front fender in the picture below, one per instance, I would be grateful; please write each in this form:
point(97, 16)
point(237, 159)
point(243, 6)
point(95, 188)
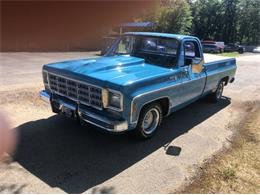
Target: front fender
point(138, 102)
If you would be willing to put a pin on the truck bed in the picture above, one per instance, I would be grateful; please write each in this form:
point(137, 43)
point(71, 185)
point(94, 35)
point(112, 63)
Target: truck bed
point(218, 67)
point(214, 58)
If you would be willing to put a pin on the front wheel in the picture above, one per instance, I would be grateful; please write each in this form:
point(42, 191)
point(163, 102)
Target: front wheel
point(149, 120)
point(216, 96)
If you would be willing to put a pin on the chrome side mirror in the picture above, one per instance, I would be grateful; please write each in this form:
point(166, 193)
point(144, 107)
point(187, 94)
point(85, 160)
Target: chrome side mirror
point(196, 61)
point(197, 65)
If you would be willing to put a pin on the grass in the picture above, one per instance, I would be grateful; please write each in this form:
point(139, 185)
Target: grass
point(230, 54)
point(229, 173)
point(236, 169)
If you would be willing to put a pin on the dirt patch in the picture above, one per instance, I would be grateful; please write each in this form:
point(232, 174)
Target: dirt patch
point(235, 169)
point(27, 95)
point(22, 105)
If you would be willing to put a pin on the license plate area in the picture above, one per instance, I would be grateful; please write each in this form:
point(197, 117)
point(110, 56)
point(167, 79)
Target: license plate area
point(68, 110)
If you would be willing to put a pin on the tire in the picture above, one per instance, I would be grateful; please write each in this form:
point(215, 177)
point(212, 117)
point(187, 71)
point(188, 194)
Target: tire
point(240, 51)
point(216, 96)
point(149, 120)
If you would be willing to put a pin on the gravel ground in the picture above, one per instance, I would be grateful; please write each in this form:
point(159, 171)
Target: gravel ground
point(55, 155)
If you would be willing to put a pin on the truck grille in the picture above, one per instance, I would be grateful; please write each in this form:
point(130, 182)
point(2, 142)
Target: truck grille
point(78, 91)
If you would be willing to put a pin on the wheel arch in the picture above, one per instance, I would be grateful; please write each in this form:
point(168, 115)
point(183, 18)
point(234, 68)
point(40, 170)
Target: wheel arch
point(164, 102)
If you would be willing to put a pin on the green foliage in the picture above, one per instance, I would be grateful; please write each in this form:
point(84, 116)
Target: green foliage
point(227, 20)
point(249, 21)
point(171, 16)
point(229, 173)
point(207, 18)
point(222, 20)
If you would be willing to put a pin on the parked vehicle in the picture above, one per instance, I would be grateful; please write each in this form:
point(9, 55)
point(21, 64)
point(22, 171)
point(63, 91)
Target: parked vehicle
point(219, 44)
point(141, 79)
point(256, 50)
point(207, 48)
point(231, 47)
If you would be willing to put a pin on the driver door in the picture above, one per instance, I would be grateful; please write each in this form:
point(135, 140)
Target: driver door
point(193, 86)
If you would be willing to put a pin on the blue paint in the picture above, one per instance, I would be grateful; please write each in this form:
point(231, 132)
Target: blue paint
point(141, 82)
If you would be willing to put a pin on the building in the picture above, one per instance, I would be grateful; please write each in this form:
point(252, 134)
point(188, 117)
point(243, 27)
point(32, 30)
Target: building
point(63, 25)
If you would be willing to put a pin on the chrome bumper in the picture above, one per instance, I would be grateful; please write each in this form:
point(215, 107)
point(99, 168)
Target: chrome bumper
point(45, 96)
point(89, 117)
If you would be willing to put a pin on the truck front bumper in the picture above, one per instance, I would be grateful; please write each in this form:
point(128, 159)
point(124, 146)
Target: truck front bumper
point(93, 118)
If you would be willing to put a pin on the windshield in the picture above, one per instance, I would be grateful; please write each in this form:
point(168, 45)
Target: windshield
point(154, 50)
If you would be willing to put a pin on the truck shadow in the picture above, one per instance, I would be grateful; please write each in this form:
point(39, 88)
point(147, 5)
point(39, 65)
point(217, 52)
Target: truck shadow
point(75, 158)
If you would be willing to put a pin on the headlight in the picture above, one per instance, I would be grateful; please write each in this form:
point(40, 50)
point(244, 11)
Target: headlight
point(112, 99)
point(115, 100)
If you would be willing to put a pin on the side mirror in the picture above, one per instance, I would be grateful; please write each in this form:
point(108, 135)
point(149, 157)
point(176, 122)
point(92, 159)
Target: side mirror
point(197, 65)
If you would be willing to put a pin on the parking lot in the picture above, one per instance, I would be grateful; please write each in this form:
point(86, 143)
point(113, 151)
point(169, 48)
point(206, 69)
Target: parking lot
point(55, 155)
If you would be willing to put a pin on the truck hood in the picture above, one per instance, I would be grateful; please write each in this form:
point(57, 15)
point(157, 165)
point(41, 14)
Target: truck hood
point(119, 70)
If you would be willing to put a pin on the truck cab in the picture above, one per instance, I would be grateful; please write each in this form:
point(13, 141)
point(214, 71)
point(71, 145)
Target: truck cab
point(142, 78)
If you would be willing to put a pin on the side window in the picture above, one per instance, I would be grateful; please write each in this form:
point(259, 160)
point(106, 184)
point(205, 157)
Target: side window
point(191, 51)
point(159, 45)
point(149, 44)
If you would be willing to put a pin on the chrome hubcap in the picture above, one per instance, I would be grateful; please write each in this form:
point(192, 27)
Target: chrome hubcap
point(219, 91)
point(151, 120)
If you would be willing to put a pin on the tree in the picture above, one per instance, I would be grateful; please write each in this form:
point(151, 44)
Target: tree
point(230, 20)
point(221, 20)
point(249, 22)
point(207, 19)
point(171, 16)
point(227, 20)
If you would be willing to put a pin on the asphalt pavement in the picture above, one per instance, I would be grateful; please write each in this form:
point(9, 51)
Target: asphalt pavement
point(55, 155)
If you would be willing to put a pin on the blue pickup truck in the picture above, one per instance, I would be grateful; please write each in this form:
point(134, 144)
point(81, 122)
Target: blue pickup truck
point(142, 78)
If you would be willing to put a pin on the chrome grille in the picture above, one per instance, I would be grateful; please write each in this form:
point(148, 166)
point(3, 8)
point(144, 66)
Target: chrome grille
point(78, 91)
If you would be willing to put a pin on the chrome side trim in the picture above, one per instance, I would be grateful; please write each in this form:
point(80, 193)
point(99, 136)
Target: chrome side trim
point(134, 122)
point(164, 88)
point(153, 91)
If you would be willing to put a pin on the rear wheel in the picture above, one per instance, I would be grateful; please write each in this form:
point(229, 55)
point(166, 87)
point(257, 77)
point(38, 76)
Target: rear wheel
point(149, 120)
point(240, 50)
point(216, 96)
